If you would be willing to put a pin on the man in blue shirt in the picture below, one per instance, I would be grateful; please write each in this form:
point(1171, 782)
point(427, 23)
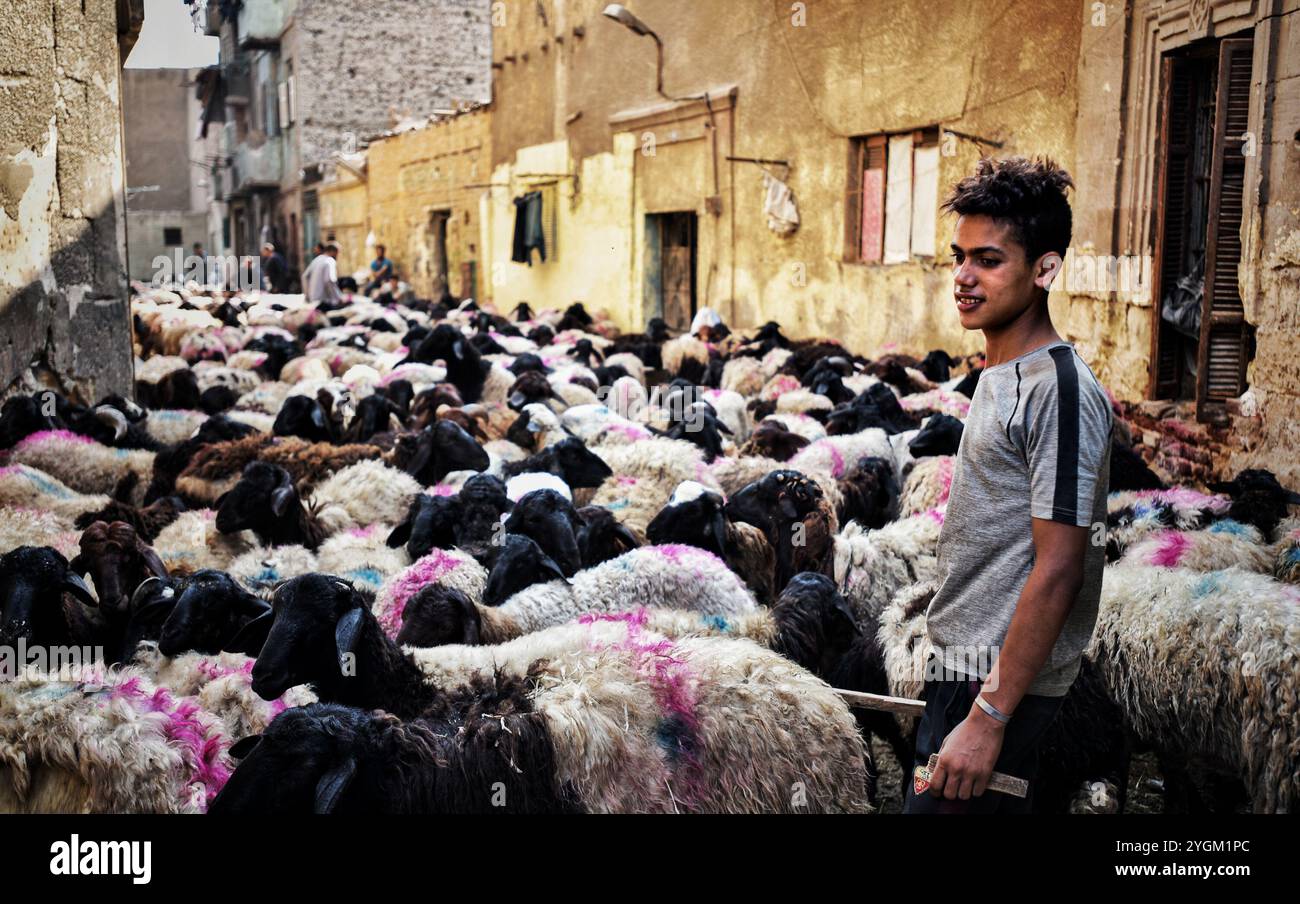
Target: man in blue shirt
point(381, 269)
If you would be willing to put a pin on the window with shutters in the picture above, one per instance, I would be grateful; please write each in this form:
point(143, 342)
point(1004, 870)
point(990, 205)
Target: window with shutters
point(893, 197)
point(1202, 342)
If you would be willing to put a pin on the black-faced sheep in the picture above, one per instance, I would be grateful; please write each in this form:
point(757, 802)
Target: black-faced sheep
point(207, 612)
point(33, 584)
point(266, 502)
point(705, 724)
point(437, 451)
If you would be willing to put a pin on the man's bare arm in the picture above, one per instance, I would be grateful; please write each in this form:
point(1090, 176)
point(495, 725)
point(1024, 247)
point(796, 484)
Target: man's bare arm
point(1044, 605)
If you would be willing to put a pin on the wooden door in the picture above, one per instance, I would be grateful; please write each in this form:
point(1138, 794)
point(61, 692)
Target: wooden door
point(1222, 356)
point(678, 275)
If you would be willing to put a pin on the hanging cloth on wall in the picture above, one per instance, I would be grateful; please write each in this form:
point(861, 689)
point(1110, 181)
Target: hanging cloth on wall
point(528, 229)
point(779, 206)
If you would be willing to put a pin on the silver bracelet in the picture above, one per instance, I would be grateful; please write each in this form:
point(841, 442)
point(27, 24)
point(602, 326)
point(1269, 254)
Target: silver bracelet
point(991, 710)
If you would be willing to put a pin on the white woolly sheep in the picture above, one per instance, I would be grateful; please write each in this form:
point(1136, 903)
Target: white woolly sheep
point(261, 569)
point(634, 366)
point(192, 542)
point(369, 491)
point(598, 425)
point(744, 376)
point(676, 352)
point(927, 485)
point(448, 568)
point(1208, 664)
point(361, 556)
point(663, 577)
point(26, 487)
point(222, 686)
point(834, 456)
point(872, 566)
point(801, 401)
point(1224, 544)
point(170, 426)
point(21, 526)
point(83, 464)
point(90, 740)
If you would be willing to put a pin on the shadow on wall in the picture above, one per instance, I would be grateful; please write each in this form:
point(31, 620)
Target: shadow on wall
point(70, 329)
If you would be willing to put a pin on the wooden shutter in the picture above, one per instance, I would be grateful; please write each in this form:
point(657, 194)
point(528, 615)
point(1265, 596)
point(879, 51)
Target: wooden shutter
point(1172, 191)
point(1221, 370)
point(873, 200)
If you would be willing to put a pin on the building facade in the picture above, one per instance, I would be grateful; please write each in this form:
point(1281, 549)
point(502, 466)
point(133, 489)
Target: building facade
point(166, 204)
point(301, 82)
point(1175, 118)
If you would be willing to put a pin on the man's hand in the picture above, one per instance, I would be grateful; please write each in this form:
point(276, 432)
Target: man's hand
point(967, 757)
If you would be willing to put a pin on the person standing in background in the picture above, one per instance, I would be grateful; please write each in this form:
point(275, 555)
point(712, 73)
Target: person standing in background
point(320, 281)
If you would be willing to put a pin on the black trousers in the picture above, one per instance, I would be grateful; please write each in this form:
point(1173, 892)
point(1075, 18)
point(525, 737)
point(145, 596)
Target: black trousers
point(947, 703)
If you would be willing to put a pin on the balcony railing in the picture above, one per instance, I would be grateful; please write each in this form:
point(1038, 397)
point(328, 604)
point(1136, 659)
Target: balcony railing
point(260, 24)
point(253, 168)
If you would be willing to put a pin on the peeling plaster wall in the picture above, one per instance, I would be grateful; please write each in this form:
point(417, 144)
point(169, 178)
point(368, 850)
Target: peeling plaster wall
point(414, 173)
point(63, 300)
point(989, 69)
point(1270, 272)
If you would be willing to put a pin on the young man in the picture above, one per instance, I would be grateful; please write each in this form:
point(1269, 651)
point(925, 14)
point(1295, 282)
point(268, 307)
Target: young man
point(381, 269)
point(320, 281)
point(1020, 564)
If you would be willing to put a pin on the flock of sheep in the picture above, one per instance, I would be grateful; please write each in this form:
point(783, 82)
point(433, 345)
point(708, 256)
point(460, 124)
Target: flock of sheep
point(434, 559)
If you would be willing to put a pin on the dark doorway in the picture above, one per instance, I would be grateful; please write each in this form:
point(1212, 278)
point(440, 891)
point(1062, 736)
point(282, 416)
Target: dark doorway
point(670, 266)
point(437, 251)
point(1201, 342)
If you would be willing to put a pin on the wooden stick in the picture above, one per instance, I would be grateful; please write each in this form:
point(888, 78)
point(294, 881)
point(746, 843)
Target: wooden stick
point(998, 781)
point(899, 705)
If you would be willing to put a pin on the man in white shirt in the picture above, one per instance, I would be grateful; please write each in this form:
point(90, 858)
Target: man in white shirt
point(320, 280)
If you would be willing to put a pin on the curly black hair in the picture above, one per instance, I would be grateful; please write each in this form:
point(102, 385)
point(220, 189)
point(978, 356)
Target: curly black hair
point(1028, 195)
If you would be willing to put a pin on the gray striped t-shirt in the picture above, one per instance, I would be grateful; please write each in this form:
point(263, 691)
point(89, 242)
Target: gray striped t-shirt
point(1036, 445)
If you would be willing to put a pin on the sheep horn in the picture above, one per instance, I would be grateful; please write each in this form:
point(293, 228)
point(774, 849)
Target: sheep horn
point(141, 590)
point(110, 416)
point(73, 583)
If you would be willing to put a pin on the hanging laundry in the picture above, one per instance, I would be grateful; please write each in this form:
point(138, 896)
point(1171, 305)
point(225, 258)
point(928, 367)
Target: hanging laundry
point(779, 206)
point(528, 229)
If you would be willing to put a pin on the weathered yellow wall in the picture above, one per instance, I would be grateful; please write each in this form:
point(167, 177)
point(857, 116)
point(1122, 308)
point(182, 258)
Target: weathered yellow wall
point(592, 261)
point(802, 90)
point(414, 173)
point(343, 212)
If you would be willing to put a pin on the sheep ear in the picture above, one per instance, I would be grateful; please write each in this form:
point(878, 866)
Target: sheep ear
point(423, 452)
point(318, 416)
point(1292, 497)
point(77, 565)
point(220, 500)
point(332, 785)
point(253, 605)
point(244, 746)
point(724, 428)
point(152, 560)
point(347, 632)
point(400, 535)
point(72, 583)
point(280, 500)
point(621, 532)
point(250, 638)
point(458, 349)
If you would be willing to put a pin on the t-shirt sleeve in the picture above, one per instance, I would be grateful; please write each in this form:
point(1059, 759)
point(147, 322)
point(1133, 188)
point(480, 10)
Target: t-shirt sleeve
point(1067, 442)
